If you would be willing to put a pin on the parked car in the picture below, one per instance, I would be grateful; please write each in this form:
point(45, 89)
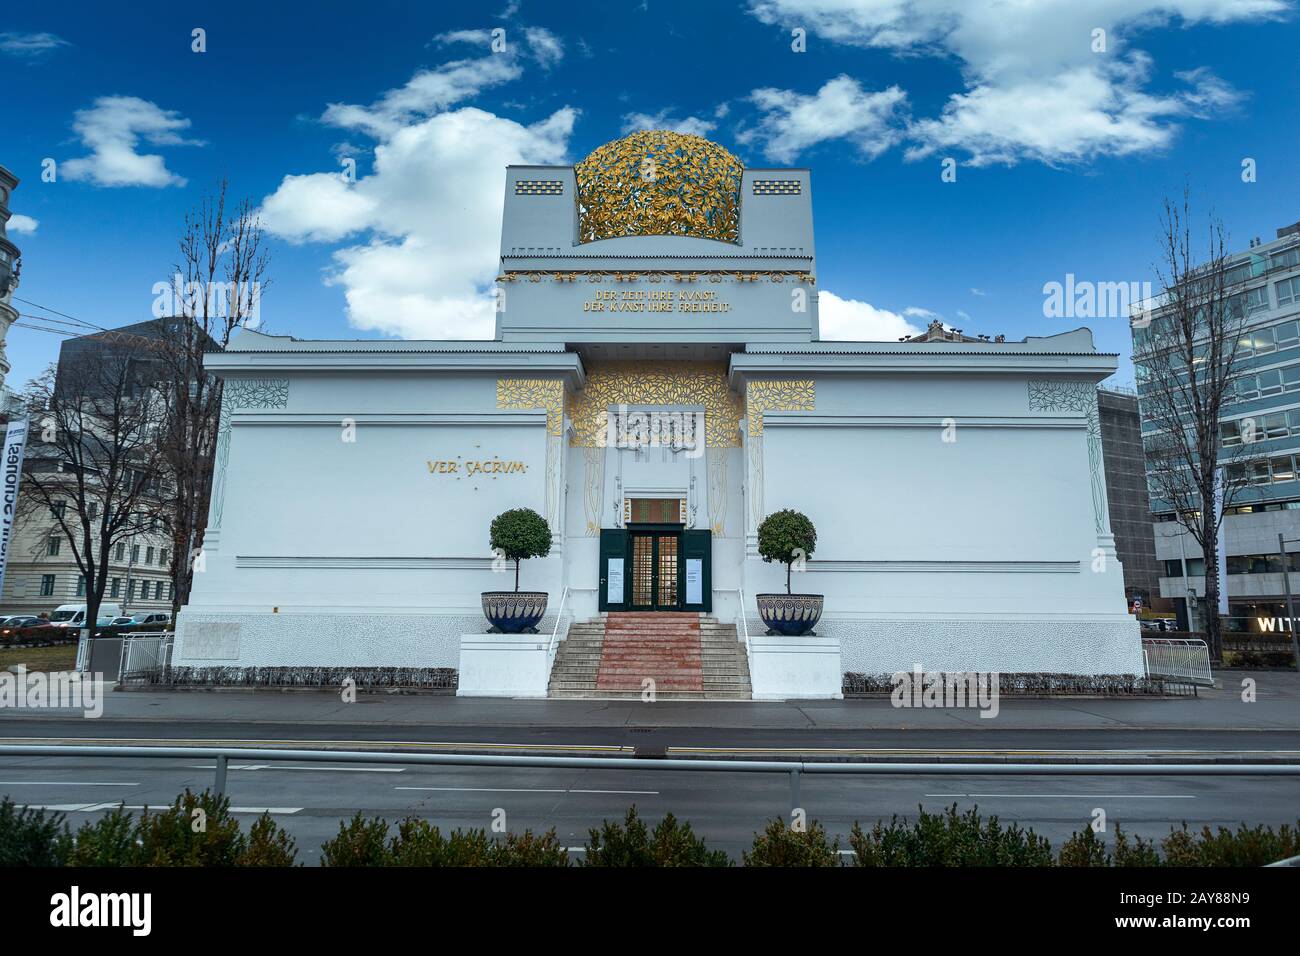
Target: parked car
point(74, 615)
point(153, 617)
point(10, 626)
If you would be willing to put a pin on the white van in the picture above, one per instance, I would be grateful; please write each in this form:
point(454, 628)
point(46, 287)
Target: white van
point(74, 615)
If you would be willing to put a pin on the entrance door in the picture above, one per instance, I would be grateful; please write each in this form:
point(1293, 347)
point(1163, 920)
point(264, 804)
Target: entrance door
point(652, 567)
point(656, 571)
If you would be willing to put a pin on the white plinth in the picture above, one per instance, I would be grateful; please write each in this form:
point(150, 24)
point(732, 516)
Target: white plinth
point(504, 665)
point(795, 668)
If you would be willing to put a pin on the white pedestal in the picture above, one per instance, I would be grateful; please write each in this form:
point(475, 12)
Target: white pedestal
point(795, 668)
point(503, 665)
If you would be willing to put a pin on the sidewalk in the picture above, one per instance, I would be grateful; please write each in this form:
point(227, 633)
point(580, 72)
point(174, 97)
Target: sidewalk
point(1277, 708)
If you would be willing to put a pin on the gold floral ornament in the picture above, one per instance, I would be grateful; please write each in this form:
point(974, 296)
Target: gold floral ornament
point(528, 393)
point(798, 395)
point(658, 183)
point(610, 384)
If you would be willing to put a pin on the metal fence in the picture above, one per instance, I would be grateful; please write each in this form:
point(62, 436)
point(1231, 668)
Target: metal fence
point(793, 770)
point(145, 654)
point(1177, 659)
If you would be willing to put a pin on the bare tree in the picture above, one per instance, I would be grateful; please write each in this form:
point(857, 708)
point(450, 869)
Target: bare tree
point(1186, 357)
point(219, 283)
point(93, 460)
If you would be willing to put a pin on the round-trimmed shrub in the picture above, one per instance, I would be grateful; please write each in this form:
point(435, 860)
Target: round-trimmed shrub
point(519, 534)
point(786, 536)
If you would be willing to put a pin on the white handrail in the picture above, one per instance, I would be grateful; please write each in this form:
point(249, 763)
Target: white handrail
point(559, 616)
point(744, 630)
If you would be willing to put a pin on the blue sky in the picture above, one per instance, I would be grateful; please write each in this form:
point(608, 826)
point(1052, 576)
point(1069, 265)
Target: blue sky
point(1063, 151)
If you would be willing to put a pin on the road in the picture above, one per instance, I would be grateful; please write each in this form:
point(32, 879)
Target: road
point(725, 808)
point(1220, 725)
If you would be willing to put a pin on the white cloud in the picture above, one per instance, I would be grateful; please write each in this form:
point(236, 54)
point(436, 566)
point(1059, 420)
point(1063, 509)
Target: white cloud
point(855, 321)
point(791, 122)
point(664, 120)
point(916, 312)
point(30, 45)
point(540, 43)
point(546, 47)
point(425, 94)
point(1035, 89)
point(431, 212)
point(22, 224)
point(113, 129)
point(975, 291)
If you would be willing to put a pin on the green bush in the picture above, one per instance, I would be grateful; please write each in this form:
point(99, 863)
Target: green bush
point(780, 845)
point(1141, 853)
point(948, 839)
point(530, 849)
point(1246, 846)
point(268, 845)
point(109, 841)
point(1084, 849)
point(784, 537)
point(360, 842)
point(630, 844)
point(196, 830)
point(520, 533)
point(32, 837)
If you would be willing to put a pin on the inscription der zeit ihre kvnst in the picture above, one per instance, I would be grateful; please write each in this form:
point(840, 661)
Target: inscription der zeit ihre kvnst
point(656, 300)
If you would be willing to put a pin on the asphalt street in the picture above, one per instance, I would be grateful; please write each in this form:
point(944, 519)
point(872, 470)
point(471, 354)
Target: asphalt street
point(726, 808)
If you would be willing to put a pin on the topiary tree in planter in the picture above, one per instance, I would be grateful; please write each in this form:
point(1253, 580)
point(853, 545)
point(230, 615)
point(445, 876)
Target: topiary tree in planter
point(518, 534)
point(788, 536)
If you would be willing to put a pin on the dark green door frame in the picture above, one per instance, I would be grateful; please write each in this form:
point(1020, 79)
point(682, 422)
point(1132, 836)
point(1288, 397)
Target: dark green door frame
point(616, 545)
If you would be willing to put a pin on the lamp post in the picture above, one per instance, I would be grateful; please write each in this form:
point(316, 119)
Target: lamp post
point(1290, 607)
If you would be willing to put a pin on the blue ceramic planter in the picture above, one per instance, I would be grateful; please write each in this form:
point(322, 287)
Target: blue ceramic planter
point(514, 612)
point(791, 615)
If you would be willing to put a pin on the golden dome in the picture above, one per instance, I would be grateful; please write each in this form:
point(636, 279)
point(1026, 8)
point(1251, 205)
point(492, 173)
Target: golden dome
point(658, 183)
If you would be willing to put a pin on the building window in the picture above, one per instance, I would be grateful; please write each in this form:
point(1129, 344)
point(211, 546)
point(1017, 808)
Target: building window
point(171, 591)
point(1195, 567)
point(92, 510)
point(158, 591)
point(81, 585)
point(135, 554)
point(130, 590)
point(163, 554)
point(148, 555)
point(47, 585)
point(1288, 291)
point(1173, 568)
point(52, 548)
point(58, 508)
point(115, 588)
point(120, 554)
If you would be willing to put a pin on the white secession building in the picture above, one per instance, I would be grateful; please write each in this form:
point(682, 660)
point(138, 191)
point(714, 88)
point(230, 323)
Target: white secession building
point(656, 386)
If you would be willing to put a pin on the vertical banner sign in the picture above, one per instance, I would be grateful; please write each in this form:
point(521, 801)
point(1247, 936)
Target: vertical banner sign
point(1222, 544)
point(11, 467)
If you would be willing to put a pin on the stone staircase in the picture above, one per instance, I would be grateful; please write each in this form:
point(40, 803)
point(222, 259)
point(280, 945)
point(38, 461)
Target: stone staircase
point(688, 656)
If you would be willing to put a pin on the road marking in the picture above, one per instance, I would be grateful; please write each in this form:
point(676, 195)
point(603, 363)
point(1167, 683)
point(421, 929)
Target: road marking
point(1073, 796)
point(527, 790)
point(271, 766)
point(62, 783)
point(485, 789)
point(100, 807)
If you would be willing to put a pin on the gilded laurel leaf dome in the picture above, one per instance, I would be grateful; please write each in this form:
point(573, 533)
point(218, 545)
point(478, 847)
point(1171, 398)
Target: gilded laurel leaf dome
point(659, 183)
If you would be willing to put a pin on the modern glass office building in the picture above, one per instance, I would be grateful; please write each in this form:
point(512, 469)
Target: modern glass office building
point(1264, 411)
